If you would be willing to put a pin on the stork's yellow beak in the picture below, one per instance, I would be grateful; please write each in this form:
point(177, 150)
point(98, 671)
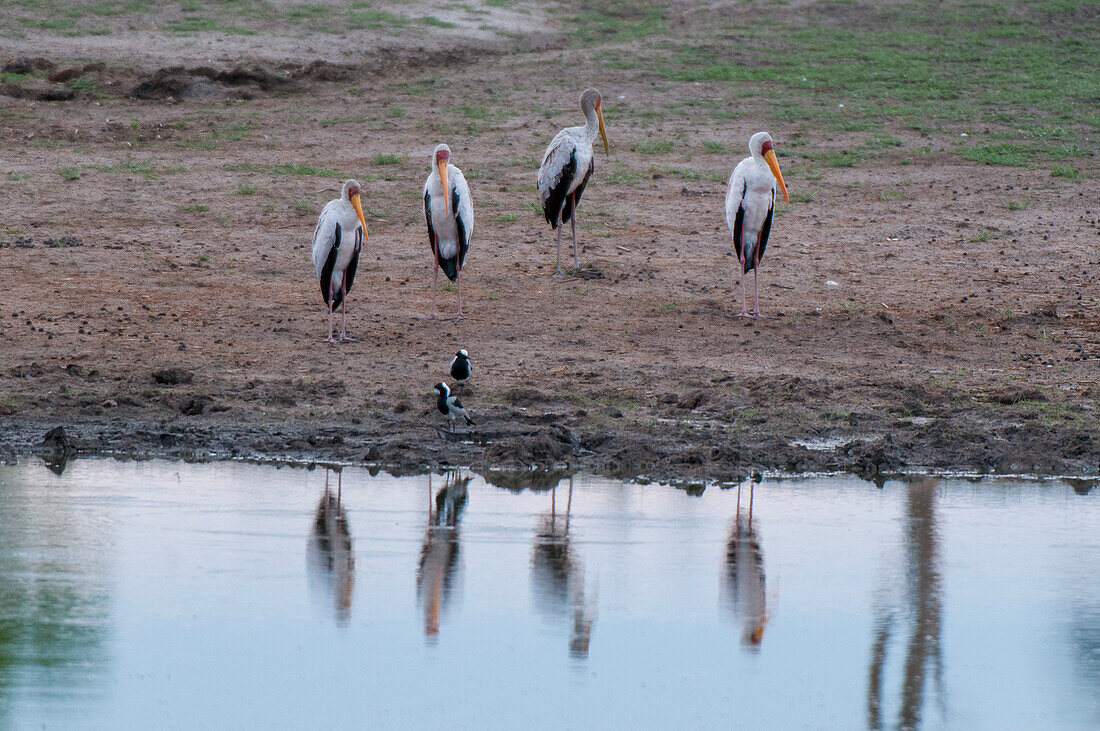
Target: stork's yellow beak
point(773, 163)
point(603, 132)
point(359, 212)
point(442, 164)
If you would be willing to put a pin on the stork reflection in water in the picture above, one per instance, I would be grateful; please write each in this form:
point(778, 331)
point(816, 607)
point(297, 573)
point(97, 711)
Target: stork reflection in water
point(330, 560)
point(922, 604)
point(557, 574)
point(744, 583)
point(436, 574)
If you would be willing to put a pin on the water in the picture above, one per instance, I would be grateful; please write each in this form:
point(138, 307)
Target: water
point(169, 595)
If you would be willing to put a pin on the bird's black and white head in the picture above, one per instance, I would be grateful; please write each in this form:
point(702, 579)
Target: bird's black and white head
point(441, 389)
point(462, 354)
point(592, 106)
point(761, 147)
point(350, 194)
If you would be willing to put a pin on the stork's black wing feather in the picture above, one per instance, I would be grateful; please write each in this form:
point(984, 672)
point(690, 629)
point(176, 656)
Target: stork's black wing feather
point(567, 209)
point(428, 218)
point(463, 236)
point(326, 271)
point(765, 231)
point(739, 228)
point(349, 273)
point(552, 208)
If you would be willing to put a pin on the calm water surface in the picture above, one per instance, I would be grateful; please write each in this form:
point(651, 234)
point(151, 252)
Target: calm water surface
point(170, 595)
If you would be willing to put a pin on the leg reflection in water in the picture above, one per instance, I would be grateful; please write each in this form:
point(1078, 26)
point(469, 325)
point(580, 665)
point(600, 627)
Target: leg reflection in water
point(557, 575)
point(923, 603)
point(745, 585)
point(436, 574)
point(330, 560)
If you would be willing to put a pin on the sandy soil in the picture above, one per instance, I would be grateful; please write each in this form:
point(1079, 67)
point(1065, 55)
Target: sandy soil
point(160, 312)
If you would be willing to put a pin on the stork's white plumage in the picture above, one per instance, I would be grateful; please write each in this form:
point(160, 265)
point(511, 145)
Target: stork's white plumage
point(449, 213)
point(750, 200)
point(566, 168)
point(337, 241)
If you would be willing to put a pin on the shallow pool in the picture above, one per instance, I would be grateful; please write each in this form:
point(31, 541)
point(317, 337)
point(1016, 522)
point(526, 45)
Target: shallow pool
point(172, 595)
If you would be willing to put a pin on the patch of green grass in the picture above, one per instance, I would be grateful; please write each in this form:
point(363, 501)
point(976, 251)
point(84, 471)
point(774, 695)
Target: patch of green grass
point(431, 20)
point(204, 257)
point(803, 197)
point(302, 169)
point(395, 112)
point(652, 147)
point(388, 158)
point(204, 25)
point(1065, 171)
point(1000, 154)
point(194, 208)
point(839, 159)
point(504, 217)
point(69, 173)
point(303, 206)
point(83, 84)
point(713, 147)
point(245, 189)
point(892, 194)
point(622, 176)
point(984, 235)
point(363, 17)
point(879, 141)
point(129, 166)
point(199, 143)
point(612, 21)
point(1021, 205)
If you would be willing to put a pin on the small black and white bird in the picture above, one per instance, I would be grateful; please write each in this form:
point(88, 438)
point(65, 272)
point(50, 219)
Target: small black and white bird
point(460, 367)
point(450, 406)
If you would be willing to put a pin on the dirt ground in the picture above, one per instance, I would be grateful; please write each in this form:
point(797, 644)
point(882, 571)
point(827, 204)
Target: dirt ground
point(158, 296)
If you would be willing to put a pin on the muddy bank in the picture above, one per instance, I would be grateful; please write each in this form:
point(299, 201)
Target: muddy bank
point(508, 439)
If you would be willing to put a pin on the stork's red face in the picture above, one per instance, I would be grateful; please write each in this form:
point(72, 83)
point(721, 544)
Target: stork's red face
point(765, 147)
point(353, 192)
point(442, 156)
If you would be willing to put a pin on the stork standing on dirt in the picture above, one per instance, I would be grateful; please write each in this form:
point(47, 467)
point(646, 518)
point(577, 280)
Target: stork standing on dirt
point(337, 241)
point(449, 213)
point(566, 168)
point(750, 200)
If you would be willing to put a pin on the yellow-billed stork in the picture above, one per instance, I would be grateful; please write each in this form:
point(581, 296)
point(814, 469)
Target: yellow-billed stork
point(566, 168)
point(337, 241)
point(750, 199)
point(449, 213)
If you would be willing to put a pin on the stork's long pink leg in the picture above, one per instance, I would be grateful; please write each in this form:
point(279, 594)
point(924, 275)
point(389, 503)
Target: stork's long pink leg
point(343, 313)
point(573, 223)
point(741, 278)
point(458, 285)
point(755, 291)
point(557, 266)
point(331, 296)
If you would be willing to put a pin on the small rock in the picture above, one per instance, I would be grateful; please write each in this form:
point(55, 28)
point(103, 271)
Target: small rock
point(67, 73)
point(173, 376)
point(28, 65)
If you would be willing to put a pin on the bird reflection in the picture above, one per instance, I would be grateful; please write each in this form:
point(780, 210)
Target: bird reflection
point(435, 575)
point(923, 603)
point(329, 555)
point(558, 575)
point(744, 581)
